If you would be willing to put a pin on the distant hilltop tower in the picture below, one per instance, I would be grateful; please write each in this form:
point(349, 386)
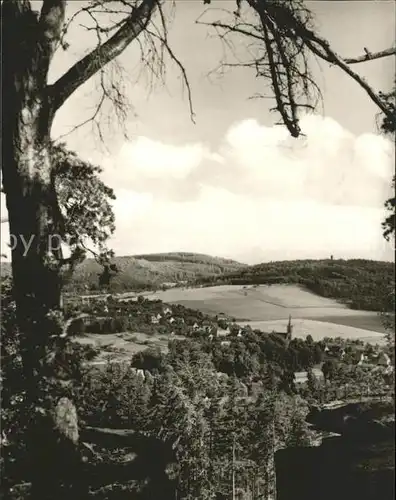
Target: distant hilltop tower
point(289, 330)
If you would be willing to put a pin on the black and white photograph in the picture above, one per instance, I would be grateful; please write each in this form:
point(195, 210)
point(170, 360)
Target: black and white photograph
point(197, 249)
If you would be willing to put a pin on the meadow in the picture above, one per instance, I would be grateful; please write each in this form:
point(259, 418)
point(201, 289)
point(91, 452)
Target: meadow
point(319, 330)
point(264, 306)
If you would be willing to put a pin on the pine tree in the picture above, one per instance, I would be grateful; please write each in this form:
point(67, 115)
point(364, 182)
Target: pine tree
point(263, 444)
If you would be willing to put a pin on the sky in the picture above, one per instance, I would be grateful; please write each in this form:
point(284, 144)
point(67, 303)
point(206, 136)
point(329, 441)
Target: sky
point(235, 184)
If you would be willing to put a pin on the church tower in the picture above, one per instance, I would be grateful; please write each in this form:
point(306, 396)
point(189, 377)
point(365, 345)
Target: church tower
point(289, 330)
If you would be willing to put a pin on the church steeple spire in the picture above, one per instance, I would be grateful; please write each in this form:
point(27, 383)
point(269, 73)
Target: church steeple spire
point(289, 328)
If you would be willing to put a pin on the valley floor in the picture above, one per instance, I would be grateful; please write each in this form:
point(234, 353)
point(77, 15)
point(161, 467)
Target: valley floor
point(266, 307)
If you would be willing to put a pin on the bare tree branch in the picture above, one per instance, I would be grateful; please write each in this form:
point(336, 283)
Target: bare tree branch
point(237, 29)
point(91, 119)
point(322, 49)
point(154, 47)
point(163, 38)
point(282, 33)
point(86, 67)
point(370, 56)
point(279, 54)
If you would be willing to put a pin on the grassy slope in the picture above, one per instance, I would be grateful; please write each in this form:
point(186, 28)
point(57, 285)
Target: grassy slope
point(268, 307)
point(360, 284)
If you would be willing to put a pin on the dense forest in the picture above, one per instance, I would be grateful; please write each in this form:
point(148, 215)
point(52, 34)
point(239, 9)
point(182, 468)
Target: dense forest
point(213, 412)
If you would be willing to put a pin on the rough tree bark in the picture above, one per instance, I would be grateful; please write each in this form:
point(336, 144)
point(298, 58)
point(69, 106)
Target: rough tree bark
point(28, 46)
point(27, 170)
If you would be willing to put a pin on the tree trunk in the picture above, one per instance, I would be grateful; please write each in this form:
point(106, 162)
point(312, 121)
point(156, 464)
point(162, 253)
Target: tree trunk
point(27, 180)
point(34, 218)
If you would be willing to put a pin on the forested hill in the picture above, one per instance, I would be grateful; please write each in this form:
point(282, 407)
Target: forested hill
point(140, 272)
point(361, 284)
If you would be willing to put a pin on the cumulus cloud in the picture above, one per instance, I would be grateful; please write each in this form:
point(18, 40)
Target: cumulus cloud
point(329, 165)
point(165, 170)
point(259, 195)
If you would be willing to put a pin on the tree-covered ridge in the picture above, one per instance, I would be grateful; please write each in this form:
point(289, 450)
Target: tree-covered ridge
point(147, 272)
point(192, 257)
point(358, 283)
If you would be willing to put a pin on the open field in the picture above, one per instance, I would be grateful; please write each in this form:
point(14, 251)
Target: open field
point(370, 321)
point(264, 307)
point(255, 300)
point(265, 303)
point(319, 329)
